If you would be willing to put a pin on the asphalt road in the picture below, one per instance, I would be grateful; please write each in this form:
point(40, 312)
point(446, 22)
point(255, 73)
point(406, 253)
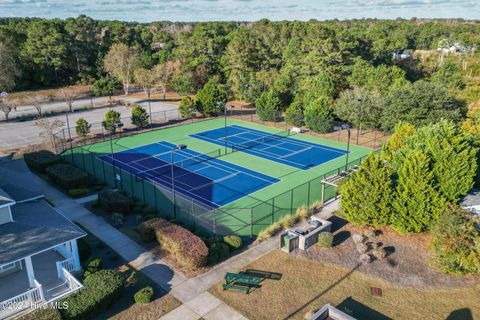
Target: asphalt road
point(21, 133)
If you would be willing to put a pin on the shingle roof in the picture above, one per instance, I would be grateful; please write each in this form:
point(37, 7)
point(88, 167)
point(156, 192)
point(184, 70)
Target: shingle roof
point(36, 227)
point(17, 180)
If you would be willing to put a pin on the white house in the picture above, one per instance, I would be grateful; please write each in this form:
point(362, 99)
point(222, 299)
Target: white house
point(329, 312)
point(38, 245)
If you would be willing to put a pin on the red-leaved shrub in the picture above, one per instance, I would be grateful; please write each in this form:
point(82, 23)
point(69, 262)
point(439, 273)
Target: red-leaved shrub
point(189, 250)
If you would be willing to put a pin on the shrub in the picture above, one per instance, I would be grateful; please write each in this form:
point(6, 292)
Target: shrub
point(235, 242)
point(210, 97)
point(287, 221)
point(78, 192)
point(84, 250)
point(187, 107)
point(270, 231)
point(39, 161)
point(50, 313)
point(101, 289)
point(111, 118)
point(455, 241)
point(189, 250)
point(148, 211)
point(146, 232)
point(140, 117)
point(118, 219)
point(294, 114)
point(115, 201)
point(303, 213)
point(67, 176)
point(217, 251)
point(318, 115)
point(82, 127)
point(325, 239)
point(144, 295)
point(358, 238)
point(93, 264)
point(269, 106)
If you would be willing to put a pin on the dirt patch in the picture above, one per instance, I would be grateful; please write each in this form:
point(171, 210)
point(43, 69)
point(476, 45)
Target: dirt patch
point(408, 262)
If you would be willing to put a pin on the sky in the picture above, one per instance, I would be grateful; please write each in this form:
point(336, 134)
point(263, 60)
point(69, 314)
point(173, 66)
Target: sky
point(240, 10)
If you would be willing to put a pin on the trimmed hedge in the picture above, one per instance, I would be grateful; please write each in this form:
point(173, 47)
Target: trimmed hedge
point(325, 240)
point(101, 289)
point(144, 295)
point(189, 250)
point(234, 242)
point(114, 201)
point(68, 176)
point(217, 251)
point(39, 161)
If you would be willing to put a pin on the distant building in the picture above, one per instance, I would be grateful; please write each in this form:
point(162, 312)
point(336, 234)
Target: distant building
point(328, 312)
point(402, 55)
point(448, 47)
point(471, 202)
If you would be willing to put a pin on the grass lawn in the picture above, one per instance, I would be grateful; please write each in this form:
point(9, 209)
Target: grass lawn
point(125, 307)
point(307, 285)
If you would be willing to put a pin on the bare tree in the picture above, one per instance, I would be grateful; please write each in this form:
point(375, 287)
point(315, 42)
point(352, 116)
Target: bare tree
point(164, 73)
point(6, 107)
point(69, 95)
point(48, 129)
point(146, 79)
point(121, 62)
point(38, 102)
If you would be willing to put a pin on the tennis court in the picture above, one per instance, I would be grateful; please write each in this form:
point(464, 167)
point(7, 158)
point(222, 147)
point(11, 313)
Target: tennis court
point(277, 147)
point(202, 177)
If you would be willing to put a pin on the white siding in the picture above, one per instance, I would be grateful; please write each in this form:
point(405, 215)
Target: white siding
point(5, 215)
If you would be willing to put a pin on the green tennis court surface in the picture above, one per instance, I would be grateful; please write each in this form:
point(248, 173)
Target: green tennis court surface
point(250, 212)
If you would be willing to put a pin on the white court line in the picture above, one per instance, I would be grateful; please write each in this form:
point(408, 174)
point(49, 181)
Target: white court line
point(295, 152)
point(216, 181)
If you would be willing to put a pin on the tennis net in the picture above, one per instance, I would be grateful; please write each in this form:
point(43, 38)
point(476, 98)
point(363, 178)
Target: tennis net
point(198, 159)
point(263, 140)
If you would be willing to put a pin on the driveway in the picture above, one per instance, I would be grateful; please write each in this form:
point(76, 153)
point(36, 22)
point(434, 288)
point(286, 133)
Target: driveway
point(21, 133)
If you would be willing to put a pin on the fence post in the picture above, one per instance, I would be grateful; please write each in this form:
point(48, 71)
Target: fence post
point(308, 194)
point(291, 201)
point(83, 160)
point(251, 223)
point(273, 210)
point(214, 222)
point(93, 165)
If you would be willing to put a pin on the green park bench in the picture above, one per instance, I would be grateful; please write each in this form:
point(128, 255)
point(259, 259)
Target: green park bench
point(241, 282)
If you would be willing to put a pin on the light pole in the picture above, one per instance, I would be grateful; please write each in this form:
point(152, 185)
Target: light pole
point(149, 107)
point(178, 147)
point(221, 104)
point(359, 129)
point(112, 128)
point(347, 127)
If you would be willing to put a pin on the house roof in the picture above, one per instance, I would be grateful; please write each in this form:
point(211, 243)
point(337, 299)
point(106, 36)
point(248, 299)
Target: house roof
point(5, 198)
point(36, 227)
point(17, 181)
point(471, 199)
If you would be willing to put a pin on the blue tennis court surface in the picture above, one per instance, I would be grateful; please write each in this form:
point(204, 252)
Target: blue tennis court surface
point(276, 147)
point(203, 177)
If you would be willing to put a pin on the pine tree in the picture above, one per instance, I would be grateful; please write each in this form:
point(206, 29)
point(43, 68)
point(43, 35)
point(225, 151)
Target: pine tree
point(403, 130)
point(140, 117)
point(416, 203)
point(367, 194)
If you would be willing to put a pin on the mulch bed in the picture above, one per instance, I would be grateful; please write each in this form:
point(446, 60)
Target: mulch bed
point(408, 264)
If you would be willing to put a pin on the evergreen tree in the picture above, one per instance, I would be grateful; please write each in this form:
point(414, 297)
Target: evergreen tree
point(187, 107)
point(416, 205)
point(210, 98)
point(318, 115)
point(402, 131)
point(269, 106)
point(367, 193)
point(82, 127)
point(139, 117)
point(112, 117)
point(294, 114)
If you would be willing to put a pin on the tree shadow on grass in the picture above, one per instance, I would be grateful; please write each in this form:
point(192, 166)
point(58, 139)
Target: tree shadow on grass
point(341, 237)
point(460, 314)
point(332, 286)
point(337, 223)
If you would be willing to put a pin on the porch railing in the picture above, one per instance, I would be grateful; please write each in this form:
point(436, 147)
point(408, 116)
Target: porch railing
point(21, 302)
point(68, 264)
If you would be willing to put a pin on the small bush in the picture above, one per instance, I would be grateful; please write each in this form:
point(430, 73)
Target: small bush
point(50, 313)
point(217, 251)
point(303, 213)
point(39, 161)
point(101, 289)
point(235, 242)
point(144, 295)
point(67, 176)
point(189, 250)
point(325, 239)
point(78, 192)
point(146, 232)
point(148, 211)
point(187, 107)
point(358, 238)
point(287, 221)
point(269, 232)
point(84, 250)
point(93, 264)
point(370, 234)
point(114, 201)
